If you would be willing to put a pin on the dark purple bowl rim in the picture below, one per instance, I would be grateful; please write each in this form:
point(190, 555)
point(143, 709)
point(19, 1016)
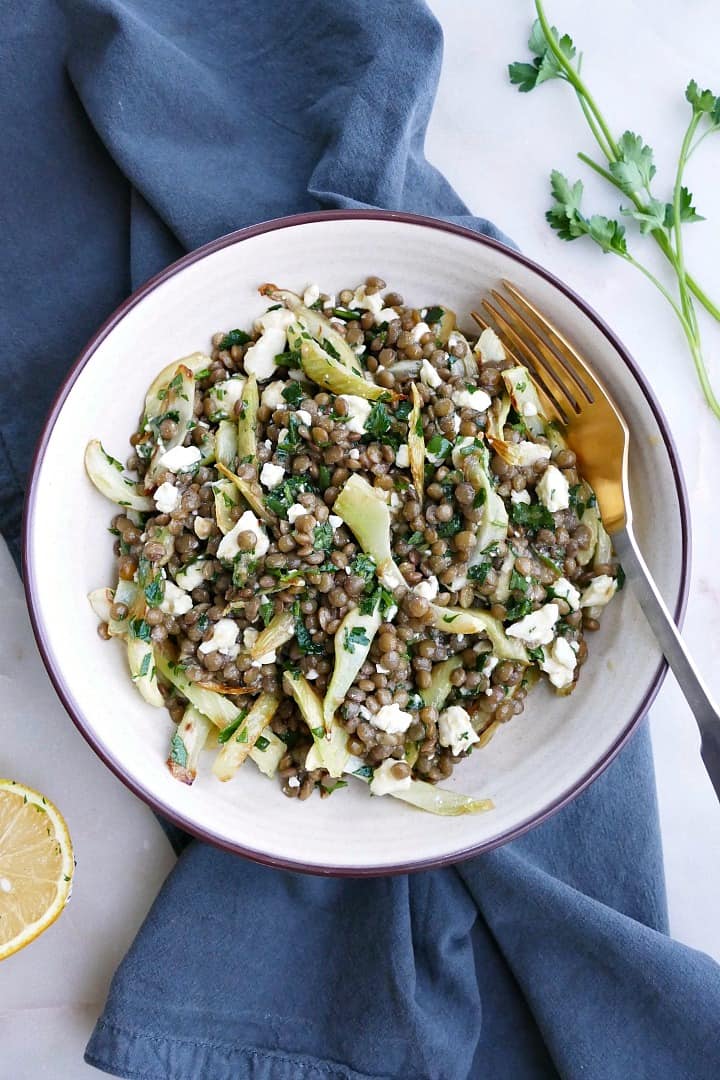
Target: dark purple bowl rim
point(58, 680)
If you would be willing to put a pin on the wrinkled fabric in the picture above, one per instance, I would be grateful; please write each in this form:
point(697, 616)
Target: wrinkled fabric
point(136, 130)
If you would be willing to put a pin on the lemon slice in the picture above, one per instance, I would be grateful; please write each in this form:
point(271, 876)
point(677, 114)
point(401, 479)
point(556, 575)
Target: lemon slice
point(36, 865)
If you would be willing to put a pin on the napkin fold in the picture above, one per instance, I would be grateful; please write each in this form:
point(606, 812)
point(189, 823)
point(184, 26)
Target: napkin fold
point(135, 130)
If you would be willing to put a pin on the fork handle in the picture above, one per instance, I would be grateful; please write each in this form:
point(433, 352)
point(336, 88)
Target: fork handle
point(681, 663)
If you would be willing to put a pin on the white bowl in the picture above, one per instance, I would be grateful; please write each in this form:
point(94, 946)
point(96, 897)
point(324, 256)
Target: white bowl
point(537, 762)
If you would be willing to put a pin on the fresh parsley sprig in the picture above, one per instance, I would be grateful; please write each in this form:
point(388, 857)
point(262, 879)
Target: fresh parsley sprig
point(630, 168)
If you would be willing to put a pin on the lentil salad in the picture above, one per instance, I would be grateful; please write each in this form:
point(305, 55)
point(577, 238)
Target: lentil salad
point(350, 544)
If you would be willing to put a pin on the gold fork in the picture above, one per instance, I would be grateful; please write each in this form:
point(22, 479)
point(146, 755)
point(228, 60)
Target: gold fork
point(574, 396)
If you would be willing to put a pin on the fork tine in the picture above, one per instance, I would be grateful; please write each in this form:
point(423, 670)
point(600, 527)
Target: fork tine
point(552, 365)
point(569, 355)
point(555, 389)
point(553, 409)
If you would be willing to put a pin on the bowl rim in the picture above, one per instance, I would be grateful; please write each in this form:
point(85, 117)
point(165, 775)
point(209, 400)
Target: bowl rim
point(62, 688)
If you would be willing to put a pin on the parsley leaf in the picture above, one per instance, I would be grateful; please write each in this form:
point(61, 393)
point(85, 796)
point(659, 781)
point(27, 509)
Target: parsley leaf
point(302, 634)
point(536, 654)
point(434, 315)
point(379, 596)
point(140, 629)
point(620, 577)
point(403, 410)
point(635, 169)
point(518, 582)
point(267, 610)
point(379, 421)
point(293, 393)
point(451, 527)
point(178, 751)
point(363, 566)
point(234, 337)
point(438, 446)
point(227, 732)
point(480, 571)
point(534, 516)
point(346, 314)
point(356, 636)
point(323, 536)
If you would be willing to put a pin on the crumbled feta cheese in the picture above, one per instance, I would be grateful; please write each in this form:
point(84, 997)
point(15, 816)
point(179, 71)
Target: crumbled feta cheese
point(402, 456)
point(259, 360)
point(223, 640)
point(229, 548)
point(472, 399)
point(428, 589)
point(455, 729)
point(490, 346)
point(529, 409)
point(358, 349)
point(395, 501)
point(202, 527)
point(429, 375)
point(418, 330)
point(268, 444)
point(180, 459)
point(311, 675)
point(176, 601)
point(387, 314)
point(250, 636)
point(296, 374)
point(310, 295)
point(271, 475)
point(282, 435)
point(461, 448)
point(382, 670)
point(367, 302)
point(565, 590)
point(295, 511)
point(527, 453)
point(553, 489)
point(304, 417)
point(225, 395)
point(385, 783)
point(392, 719)
point(167, 498)
point(520, 496)
point(358, 410)
point(489, 666)
point(559, 663)
point(272, 397)
point(331, 302)
point(599, 592)
point(537, 627)
point(354, 453)
point(191, 576)
point(335, 521)
point(293, 781)
point(392, 579)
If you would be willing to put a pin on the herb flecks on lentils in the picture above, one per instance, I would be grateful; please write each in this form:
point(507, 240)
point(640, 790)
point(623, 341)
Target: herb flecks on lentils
point(363, 565)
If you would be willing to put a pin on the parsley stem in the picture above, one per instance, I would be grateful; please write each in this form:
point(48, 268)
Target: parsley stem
point(594, 128)
point(660, 237)
point(574, 79)
point(677, 220)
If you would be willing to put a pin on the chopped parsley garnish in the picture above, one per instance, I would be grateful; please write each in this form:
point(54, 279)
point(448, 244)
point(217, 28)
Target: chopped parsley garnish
point(519, 610)
point(379, 421)
point(434, 315)
point(439, 446)
point(140, 629)
point(111, 460)
point(416, 539)
point(451, 527)
point(480, 499)
point(261, 743)
point(363, 566)
point(267, 610)
point(178, 751)
point(330, 348)
point(403, 410)
point(227, 732)
point(145, 666)
point(234, 337)
point(346, 314)
point(415, 701)
point(335, 786)
point(518, 582)
point(290, 359)
point(365, 772)
point(419, 428)
point(356, 636)
point(536, 654)
point(302, 634)
point(533, 516)
point(323, 536)
point(293, 393)
point(379, 596)
point(284, 495)
point(480, 571)
point(293, 439)
point(620, 577)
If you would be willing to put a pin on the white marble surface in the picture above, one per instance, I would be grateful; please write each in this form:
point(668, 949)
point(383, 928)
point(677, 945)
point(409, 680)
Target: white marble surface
point(497, 147)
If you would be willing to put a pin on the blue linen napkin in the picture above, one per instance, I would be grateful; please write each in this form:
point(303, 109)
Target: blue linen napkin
point(137, 129)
